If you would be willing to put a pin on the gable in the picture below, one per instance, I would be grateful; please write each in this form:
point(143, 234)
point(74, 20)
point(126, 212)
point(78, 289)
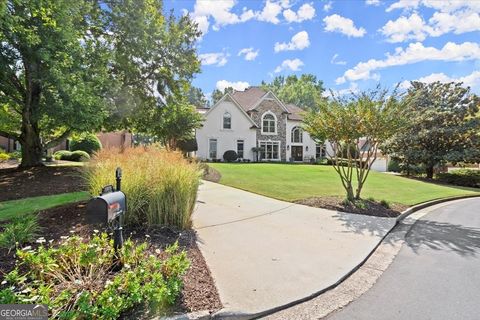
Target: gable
point(228, 99)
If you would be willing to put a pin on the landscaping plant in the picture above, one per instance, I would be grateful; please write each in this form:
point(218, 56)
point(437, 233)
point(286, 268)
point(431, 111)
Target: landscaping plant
point(355, 126)
point(19, 231)
point(76, 280)
point(161, 186)
point(77, 156)
point(87, 142)
point(461, 177)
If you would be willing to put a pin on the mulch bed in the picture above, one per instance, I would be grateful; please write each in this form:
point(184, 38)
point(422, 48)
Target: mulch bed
point(199, 292)
point(372, 208)
point(39, 181)
point(211, 174)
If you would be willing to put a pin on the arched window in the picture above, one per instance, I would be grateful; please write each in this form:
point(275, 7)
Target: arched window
point(297, 135)
point(227, 121)
point(269, 123)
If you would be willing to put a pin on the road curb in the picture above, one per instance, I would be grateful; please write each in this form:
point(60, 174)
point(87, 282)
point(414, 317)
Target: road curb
point(238, 315)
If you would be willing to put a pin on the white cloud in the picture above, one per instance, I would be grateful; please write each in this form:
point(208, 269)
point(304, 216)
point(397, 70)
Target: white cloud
point(415, 28)
point(299, 41)
point(415, 52)
point(327, 6)
point(472, 80)
point(335, 61)
point(215, 58)
point(249, 53)
point(372, 2)
point(293, 65)
point(443, 6)
point(352, 89)
point(270, 12)
point(305, 12)
point(336, 23)
point(238, 85)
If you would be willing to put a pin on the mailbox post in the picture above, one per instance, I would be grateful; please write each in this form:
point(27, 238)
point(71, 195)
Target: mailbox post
point(109, 208)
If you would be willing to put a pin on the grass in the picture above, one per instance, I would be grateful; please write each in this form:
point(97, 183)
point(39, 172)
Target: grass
point(291, 182)
point(18, 208)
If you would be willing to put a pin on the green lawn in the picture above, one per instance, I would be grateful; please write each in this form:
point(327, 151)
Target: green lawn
point(294, 182)
point(15, 208)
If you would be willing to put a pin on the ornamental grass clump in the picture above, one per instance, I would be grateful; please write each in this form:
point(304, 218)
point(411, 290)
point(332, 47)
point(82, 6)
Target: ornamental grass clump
point(161, 186)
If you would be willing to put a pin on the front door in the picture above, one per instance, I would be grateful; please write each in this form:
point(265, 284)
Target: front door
point(297, 153)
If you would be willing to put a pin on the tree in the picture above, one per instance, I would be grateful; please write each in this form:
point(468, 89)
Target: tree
point(304, 91)
point(354, 126)
point(196, 97)
point(172, 124)
point(442, 127)
point(217, 94)
point(67, 65)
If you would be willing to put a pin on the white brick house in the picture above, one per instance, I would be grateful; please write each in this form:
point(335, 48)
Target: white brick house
point(255, 118)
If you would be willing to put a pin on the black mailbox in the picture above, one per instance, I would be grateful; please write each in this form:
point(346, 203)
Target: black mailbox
point(106, 208)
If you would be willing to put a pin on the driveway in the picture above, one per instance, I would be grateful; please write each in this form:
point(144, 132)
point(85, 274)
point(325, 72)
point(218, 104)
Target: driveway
point(265, 253)
point(434, 276)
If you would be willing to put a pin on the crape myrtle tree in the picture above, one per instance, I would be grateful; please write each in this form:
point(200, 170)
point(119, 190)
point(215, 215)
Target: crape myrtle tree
point(355, 126)
point(74, 66)
point(305, 91)
point(443, 126)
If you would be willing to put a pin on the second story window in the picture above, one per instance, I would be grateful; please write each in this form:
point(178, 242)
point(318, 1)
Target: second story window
point(227, 121)
point(297, 135)
point(269, 123)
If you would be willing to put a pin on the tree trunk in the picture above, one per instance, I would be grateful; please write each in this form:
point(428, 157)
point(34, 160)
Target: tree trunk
point(32, 149)
point(350, 195)
point(429, 171)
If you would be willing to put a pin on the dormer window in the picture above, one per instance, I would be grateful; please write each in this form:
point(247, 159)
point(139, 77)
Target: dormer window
point(269, 123)
point(227, 121)
point(297, 135)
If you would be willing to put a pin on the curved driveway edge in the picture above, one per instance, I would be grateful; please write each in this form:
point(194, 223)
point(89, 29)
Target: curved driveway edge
point(266, 254)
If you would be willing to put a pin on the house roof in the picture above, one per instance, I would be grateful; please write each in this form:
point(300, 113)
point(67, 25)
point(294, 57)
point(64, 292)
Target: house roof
point(248, 98)
point(296, 113)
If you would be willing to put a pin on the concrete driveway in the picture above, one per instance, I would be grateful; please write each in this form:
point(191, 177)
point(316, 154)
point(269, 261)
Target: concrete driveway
point(265, 253)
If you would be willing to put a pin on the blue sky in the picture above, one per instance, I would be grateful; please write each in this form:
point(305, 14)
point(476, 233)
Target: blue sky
point(350, 45)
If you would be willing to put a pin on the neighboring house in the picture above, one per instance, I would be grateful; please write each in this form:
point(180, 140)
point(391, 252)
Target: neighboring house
point(118, 139)
point(253, 118)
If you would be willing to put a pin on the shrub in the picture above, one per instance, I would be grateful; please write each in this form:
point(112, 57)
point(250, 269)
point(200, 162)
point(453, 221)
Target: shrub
point(76, 280)
point(461, 177)
point(15, 154)
point(66, 155)
point(87, 142)
point(19, 231)
point(4, 156)
point(161, 186)
point(393, 166)
point(230, 156)
point(385, 204)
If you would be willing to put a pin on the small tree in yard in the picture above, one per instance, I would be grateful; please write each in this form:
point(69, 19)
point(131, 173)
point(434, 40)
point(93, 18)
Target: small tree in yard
point(443, 126)
point(355, 126)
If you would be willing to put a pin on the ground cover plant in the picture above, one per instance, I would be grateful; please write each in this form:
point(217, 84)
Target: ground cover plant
point(161, 185)
point(76, 280)
point(296, 182)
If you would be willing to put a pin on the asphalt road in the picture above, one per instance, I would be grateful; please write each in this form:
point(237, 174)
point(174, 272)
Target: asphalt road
point(436, 274)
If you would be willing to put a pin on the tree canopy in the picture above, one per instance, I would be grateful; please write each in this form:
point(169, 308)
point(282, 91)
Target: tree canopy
point(355, 126)
point(217, 94)
point(304, 91)
point(443, 126)
point(73, 66)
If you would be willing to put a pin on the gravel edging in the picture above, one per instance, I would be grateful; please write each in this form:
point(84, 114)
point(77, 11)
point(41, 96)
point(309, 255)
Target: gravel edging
point(203, 315)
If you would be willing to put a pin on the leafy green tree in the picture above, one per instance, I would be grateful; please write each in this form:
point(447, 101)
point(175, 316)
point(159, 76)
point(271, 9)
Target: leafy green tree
point(69, 65)
point(354, 126)
point(218, 94)
point(172, 124)
point(443, 127)
point(196, 97)
point(304, 91)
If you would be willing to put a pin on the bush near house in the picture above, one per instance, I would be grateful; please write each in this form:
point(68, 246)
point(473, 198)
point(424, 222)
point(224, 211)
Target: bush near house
point(76, 281)
point(161, 186)
point(230, 156)
point(4, 156)
point(461, 177)
point(87, 142)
